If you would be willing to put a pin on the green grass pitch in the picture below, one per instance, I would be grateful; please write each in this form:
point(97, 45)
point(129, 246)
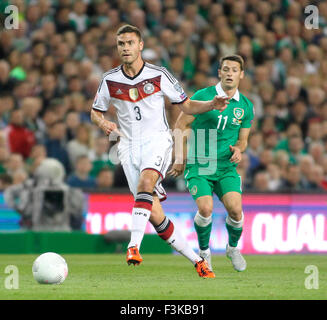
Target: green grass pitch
point(169, 277)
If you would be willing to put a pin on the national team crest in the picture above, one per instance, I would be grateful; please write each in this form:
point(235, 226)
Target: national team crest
point(133, 93)
point(238, 113)
point(148, 88)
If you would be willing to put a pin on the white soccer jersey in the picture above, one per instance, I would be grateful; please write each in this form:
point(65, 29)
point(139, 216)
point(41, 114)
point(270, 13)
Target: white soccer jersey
point(139, 100)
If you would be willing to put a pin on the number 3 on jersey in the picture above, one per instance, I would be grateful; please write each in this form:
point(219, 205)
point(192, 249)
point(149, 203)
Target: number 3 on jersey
point(219, 122)
point(138, 113)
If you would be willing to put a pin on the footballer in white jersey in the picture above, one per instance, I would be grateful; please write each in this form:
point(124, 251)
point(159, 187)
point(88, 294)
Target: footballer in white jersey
point(137, 90)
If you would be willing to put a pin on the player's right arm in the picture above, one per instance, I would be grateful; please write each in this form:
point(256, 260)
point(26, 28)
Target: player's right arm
point(105, 125)
point(182, 131)
point(100, 106)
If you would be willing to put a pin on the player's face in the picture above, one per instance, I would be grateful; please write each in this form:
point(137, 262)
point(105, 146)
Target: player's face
point(129, 47)
point(230, 74)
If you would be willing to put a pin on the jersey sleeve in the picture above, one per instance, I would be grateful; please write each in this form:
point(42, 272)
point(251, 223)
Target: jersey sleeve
point(171, 88)
point(102, 97)
point(247, 122)
point(198, 95)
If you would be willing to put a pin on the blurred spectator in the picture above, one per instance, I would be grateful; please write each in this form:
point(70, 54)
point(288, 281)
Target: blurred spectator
point(49, 89)
point(4, 155)
point(37, 155)
point(226, 41)
point(261, 181)
point(246, 89)
point(6, 82)
point(5, 181)
point(299, 114)
point(293, 39)
point(191, 13)
point(19, 177)
point(81, 144)
point(14, 163)
point(313, 58)
point(265, 158)
point(270, 139)
point(294, 90)
point(78, 17)
point(72, 121)
point(281, 158)
point(31, 107)
point(316, 97)
point(324, 141)
point(56, 146)
point(316, 150)
point(19, 138)
point(254, 149)
point(293, 180)
point(280, 66)
point(316, 178)
point(306, 162)
point(170, 19)
point(296, 148)
point(314, 132)
point(105, 178)
point(63, 23)
point(293, 129)
point(99, 156)
point(6, 106)
point(81, 178)
point(275, 180)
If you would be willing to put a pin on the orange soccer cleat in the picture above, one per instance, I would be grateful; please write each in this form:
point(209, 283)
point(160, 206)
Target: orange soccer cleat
point(203, 270)
point(133, 256)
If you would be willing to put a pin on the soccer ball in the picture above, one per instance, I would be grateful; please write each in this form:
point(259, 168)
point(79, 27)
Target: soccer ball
point(50, 268)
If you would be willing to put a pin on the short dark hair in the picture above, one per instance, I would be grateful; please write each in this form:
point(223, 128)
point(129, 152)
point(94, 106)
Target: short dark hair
point(129, 29)
point(233, 57)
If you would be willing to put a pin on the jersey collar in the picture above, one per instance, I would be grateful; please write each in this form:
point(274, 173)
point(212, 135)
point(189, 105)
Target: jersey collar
point(132, 78)
point(221, 92)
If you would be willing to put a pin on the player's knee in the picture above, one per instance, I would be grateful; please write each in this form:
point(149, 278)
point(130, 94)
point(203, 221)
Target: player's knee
point(146, 185)
point(205, 210)
point(235, 212)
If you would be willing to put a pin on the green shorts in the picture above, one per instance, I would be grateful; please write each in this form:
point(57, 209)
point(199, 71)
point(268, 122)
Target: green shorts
point(220, 183)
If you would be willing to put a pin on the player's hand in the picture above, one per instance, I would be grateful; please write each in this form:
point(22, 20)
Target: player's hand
point(237, 154)
point(177, 169)
point(108, 127)
point(220, 103)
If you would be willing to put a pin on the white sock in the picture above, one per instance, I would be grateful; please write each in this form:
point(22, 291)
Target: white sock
point(140, 217)
point(202, 221)
point(173, 237)
point(233, 223)
point(206, 251)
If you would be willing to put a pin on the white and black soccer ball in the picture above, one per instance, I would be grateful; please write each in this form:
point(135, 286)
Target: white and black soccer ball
point(50, 268)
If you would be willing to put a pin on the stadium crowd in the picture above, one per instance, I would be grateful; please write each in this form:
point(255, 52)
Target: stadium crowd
point(51, 66)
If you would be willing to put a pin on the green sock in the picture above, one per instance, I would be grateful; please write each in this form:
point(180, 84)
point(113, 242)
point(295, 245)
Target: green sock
point(234, 234)
point(203, 235)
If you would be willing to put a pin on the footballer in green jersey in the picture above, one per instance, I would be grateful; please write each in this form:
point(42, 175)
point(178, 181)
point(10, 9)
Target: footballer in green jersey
point(215, 145)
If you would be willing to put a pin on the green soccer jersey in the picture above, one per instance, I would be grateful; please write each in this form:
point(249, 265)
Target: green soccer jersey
point(214, 131)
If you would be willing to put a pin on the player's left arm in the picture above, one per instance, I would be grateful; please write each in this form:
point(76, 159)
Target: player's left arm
point(195, 107)
point(174, 91)
point(240, 145)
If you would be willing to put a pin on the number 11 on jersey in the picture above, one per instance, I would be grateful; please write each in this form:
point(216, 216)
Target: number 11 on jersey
point(219, 122)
